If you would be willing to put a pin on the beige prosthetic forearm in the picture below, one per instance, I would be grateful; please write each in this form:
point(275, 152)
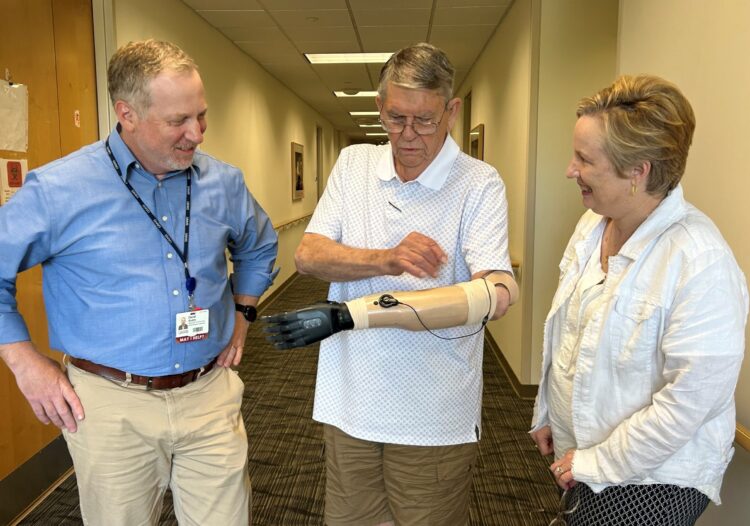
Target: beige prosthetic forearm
point(465, 303)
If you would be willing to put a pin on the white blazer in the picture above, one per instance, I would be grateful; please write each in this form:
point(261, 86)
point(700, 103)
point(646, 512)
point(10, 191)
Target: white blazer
point(653, 392)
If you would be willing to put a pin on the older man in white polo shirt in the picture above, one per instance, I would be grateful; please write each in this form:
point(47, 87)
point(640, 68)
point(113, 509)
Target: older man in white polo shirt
point(402, 408)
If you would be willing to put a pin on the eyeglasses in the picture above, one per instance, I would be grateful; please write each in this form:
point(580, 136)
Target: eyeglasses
point(564, 508)
point(420, 126)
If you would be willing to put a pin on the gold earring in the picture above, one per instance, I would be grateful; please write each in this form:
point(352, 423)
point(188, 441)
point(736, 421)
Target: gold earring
point(633, 188)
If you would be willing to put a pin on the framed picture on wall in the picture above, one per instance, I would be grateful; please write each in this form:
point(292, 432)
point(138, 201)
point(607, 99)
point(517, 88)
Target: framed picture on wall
point(298, 181)
point(476, 142)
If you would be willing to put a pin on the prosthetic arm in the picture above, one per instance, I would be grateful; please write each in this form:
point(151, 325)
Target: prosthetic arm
point(466, 303)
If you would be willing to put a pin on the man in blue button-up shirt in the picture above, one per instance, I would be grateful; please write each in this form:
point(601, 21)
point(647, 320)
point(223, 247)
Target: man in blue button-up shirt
point(145, 403)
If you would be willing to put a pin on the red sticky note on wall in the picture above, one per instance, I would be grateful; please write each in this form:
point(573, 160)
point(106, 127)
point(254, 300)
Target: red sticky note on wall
point(15, 175)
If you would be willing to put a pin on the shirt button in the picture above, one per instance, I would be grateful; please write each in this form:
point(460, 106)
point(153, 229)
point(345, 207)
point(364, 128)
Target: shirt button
point(177, 366)
point(175, 292)
point(164, 218)
point(170, 255)
point(158, 184)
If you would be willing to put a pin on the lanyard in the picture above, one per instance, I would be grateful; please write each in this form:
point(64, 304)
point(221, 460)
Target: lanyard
point(183, 254)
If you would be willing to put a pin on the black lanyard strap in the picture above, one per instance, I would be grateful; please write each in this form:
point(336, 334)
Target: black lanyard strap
point(182, 254)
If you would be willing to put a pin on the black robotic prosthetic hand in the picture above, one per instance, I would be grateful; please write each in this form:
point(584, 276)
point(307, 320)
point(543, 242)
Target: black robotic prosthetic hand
point(307, 325)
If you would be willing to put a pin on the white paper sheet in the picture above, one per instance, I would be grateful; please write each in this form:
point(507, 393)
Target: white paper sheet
point(14, 117)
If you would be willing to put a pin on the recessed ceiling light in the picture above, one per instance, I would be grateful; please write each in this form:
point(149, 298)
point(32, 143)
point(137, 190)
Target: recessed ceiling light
point(347, 58)
point(363, 113)
point(355, 93)
point(369, 125)
point(383, 134)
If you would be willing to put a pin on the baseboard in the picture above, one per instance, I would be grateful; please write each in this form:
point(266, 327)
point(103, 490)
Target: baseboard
point(22, 487)
point(522, 390)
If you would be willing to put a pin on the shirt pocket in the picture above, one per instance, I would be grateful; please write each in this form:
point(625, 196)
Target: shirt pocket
point(634, 332)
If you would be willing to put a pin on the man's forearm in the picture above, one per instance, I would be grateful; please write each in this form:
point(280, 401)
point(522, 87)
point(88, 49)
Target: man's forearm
point(326, 259)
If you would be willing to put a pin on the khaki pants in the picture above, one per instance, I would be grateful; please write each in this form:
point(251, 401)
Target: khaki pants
point(368, 483)
point(134, 443)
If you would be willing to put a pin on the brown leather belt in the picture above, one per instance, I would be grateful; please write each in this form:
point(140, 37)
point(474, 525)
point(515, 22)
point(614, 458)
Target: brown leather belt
point(151, 382)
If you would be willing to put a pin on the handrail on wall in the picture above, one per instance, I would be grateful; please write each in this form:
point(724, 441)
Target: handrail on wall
point(742, 436)
point(289, 224)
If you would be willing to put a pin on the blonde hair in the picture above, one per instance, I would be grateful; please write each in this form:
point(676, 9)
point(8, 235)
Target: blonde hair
point(135, 64)
point(645, 118)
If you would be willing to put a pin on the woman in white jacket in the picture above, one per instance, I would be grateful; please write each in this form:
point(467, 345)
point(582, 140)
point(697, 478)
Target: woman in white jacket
point(645, 337)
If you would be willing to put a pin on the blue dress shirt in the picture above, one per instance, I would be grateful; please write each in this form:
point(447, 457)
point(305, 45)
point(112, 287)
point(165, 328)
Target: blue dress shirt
point(113, 285)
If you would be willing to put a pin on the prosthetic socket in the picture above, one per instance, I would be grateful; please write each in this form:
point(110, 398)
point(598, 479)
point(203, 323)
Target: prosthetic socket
point(465, 303)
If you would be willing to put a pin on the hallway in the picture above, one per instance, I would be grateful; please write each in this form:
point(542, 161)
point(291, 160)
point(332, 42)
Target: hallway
point(512, 486)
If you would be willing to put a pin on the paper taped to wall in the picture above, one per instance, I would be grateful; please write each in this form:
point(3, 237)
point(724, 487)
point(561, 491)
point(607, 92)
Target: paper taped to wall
point(14, 117)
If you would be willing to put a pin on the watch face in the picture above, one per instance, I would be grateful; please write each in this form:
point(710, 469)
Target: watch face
point(247, 310)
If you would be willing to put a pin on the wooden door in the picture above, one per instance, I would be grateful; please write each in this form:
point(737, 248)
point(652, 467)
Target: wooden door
point(48, 45)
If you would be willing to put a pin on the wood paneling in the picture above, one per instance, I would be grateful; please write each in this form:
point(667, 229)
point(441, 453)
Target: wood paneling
point(48, 46)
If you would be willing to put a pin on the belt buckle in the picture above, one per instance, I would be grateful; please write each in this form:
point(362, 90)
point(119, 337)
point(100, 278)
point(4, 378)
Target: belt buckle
point(149, 383)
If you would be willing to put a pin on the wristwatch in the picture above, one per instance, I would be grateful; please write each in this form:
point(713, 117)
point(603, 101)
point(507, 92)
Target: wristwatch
point(248, 311)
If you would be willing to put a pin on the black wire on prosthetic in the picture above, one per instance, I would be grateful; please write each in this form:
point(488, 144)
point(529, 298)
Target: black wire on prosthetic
point(387, 301)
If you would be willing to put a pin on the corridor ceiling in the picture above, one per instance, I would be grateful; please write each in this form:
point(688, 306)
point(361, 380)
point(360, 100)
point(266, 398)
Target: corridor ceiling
point(276, 33)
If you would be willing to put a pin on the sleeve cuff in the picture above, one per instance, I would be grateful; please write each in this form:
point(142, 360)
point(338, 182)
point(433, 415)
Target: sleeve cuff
point(13, 329)
point(252, 283)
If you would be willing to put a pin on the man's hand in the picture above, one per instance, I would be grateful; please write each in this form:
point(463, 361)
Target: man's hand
point(45, 386)
point(308, 325)
point(418, 255)
point(231, 355)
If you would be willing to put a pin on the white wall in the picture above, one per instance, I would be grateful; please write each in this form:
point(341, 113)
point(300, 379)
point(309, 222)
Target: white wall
point(252, 117)
point(577, 57)
point(544, 56)
point(500, 85)
point(702, 47)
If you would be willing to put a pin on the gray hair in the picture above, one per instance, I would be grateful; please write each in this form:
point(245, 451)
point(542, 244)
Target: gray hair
point(135, 64)
point(421, 66)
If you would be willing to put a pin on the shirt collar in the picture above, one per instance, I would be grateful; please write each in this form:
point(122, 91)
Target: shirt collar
point(125, 158)
point(433, 176)
point(671, 209)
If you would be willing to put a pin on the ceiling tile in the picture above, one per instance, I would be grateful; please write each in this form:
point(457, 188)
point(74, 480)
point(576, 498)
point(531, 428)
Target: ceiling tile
point(293, 74)
point(357, 103)
point(466, 3)
point(343, 76)
point(389, 4)
point(255, 34)
point(322, 17)
point(322, 34)
point(392, 17)
point(376, 39)
point(301, 5)
point(474, 15)
point(221, 19)
point(461, 33)
point(274, 32)
point(267, 50)
point(344, 46)
point(223, 4)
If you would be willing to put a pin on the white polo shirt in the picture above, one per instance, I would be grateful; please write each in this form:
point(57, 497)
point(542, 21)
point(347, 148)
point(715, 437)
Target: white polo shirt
point(393, 385)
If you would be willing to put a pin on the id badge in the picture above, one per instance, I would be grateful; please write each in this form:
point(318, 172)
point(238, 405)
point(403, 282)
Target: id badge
point(191, 326)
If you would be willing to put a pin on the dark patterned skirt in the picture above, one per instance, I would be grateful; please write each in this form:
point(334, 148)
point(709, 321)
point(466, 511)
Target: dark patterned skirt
point(634, 505)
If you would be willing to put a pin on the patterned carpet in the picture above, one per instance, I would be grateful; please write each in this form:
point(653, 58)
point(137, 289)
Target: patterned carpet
point(512, 486)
